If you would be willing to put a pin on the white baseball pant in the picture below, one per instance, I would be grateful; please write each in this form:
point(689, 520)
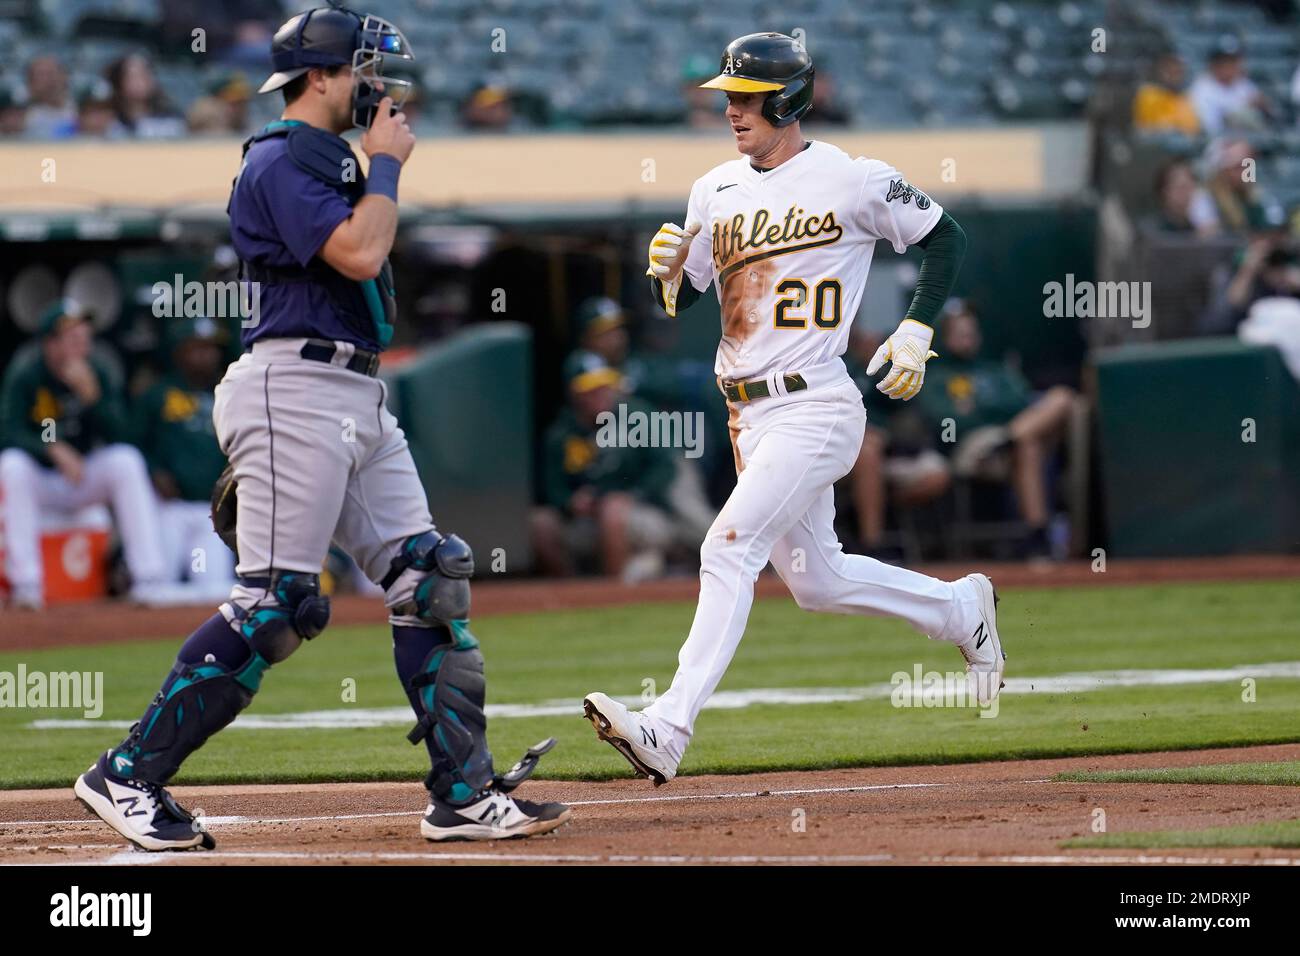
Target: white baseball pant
point(115, 475)
point(791, 449)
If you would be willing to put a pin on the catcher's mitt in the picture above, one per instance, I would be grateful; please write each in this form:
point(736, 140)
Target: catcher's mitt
point(224, 508)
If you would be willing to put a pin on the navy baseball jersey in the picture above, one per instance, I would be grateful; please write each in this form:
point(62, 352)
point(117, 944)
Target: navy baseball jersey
point(280, 217)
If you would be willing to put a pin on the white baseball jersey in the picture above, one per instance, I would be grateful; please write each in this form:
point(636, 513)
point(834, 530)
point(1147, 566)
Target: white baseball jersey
point(789, 251)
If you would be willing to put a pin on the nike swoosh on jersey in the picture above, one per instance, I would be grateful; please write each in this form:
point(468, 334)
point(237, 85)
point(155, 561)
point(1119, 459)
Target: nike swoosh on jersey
point(728, 186)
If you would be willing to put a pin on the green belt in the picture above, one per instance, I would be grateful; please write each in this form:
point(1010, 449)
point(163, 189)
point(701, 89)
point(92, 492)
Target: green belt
point(757, 388)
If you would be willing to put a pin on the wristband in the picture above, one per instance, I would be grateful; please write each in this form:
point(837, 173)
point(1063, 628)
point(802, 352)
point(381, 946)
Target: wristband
point(382, 181)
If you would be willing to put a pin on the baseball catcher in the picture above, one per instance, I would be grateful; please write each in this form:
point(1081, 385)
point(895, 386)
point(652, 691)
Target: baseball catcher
point(785, 234)
point(313, 236)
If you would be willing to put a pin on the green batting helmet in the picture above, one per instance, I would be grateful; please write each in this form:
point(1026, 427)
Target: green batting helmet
point(770, 63)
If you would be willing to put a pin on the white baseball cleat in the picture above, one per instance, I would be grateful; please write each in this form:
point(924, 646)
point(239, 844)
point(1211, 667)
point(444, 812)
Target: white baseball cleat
point(491, 815)
point(633, 735)
point(985, 659)
point(144, 813)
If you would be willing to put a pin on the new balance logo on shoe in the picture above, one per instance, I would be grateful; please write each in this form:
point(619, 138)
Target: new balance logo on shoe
point(981, 634)
point(130, 810)
point(648, 738)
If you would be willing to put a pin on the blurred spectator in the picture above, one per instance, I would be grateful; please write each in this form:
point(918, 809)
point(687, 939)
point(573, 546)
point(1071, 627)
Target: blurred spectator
point(664, 382)
point(1230, 201)
point(602, 326)
point(173, 427)
point(13, 113)
point(601, 500)
point(490, 108)
point(62, 426)
point(1176, 187)
point(1002, 430)
point(1162, 103)
point(95, 113)
point(1269, 269)
point(141, 107)
point(50, 111)
point(897, 460)
point(224, 109)
point(1224, 96)
point(660, 380)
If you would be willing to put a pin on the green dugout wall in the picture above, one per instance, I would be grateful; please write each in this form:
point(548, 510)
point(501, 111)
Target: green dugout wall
point(467, 409)
point(1181, 476)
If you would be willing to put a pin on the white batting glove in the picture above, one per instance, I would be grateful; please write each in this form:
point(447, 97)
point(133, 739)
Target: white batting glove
point(668, 251)
point(909, 349)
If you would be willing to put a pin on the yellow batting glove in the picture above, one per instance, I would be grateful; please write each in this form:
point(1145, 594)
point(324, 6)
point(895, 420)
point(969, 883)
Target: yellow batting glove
point(908, 349)
point(668, 251)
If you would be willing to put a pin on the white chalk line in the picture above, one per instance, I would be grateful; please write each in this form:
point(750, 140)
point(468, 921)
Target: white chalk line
point(223, 821)
point(1072, 683)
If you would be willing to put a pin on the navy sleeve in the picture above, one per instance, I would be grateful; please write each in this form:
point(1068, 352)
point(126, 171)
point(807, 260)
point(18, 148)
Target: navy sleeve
point(305, 211)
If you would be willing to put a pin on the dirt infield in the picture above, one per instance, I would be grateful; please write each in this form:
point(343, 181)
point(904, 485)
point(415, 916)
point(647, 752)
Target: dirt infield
point(104, 621)
point(1006, 813)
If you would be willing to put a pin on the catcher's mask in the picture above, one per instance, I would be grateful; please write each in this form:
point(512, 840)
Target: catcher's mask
point(379, 39)
point(334, 36)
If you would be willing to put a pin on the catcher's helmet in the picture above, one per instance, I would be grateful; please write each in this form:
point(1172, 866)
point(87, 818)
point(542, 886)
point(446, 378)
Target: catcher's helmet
point(335, 36)
point(772, 63)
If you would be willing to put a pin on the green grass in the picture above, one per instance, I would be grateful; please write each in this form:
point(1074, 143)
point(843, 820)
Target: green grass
point(1273, 833)
point(1282, 773)
point(537, 657)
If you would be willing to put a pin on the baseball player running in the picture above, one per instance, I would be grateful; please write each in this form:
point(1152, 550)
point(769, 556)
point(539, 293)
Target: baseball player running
point(316, 456)
point(786, 234)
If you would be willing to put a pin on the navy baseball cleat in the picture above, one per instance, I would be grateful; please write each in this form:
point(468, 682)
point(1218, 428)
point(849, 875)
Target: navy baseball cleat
point(491, 815)
point(144, 813)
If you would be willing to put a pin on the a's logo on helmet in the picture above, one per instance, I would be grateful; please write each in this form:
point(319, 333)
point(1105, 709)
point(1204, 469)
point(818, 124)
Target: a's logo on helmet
point(730, 66)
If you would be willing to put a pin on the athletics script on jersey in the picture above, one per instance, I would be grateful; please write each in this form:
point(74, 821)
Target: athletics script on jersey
point(735, 242)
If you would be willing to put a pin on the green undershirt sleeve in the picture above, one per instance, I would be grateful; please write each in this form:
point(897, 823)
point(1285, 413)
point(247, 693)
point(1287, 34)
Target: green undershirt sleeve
point(686, 295)
point(945, 247)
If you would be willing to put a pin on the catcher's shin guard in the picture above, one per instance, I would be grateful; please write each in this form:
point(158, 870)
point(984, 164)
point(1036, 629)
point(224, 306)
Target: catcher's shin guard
point(195, 702)
point(199, 699)
point(450, 690)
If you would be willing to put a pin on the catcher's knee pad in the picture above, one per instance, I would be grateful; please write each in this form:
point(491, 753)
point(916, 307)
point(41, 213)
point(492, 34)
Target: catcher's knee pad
point(429, 578)
point(195, 702)
point(450, 688)
point(292, 611)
